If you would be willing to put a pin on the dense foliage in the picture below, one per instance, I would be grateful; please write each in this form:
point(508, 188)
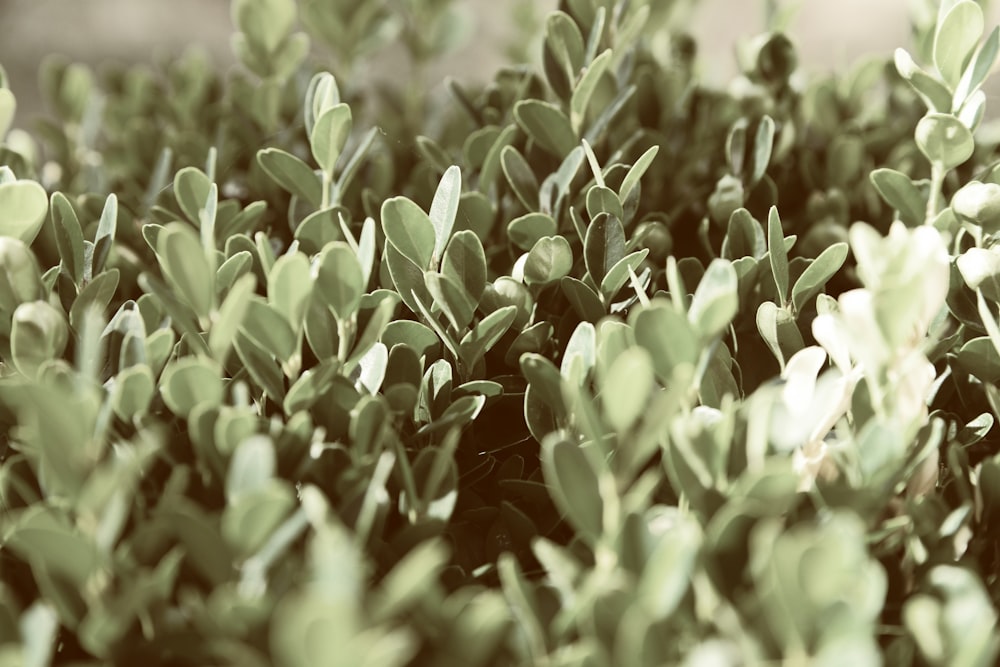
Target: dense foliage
point(592, 365)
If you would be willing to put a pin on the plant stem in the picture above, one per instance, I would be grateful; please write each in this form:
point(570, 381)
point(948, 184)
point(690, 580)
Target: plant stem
point(934, 200)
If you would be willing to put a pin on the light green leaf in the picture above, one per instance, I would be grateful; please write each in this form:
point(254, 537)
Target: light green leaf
point(23, 205)
point(668, 337)
point(520, 177)
point(190, 382)
point(604, 246)
point(444, 208)
point(8, 106)
point(550, 259)
point(229, 318)
point(69, 236)
point(329, 136)
point(339, 279)
point(526, 230)
point(456, 303)
point(107, 227)
point(292, 174)
point(944, 140)
point(191, 187)
point(486, 334)
point(253, 465)
point(465, 264)
point(409, 230)
point(819, 271)
point(635, 173)
point(185, 267)
point(762, 147)
point(626, 388)
point(935, 94)
point(977, 70)
point(547, 126)
point(716, 301)
point(958, 33)
point(902, 194)
point(573, 486)
point(289, 285)
point(584, 90)
point(777, 254)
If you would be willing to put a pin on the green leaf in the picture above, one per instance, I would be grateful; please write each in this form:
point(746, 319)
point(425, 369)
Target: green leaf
point(816, 275)
point(978, 69)
point(292, 174)
point(944, 140)
point(980, 358)
point(618, 274)
point(329, 136)
point(465, 264)
point(935, 94)
point(778, 329)
point(132, 392)
point(310, 386)
point(189, 383)
point(902, 194)
point(185, 267)
point(69, 236)
point(456, 303)
point(573, 486)
point(525, 231)
point(107, 227)
point(248, 522)
point(253, 465)
point(604, 246)
point(716, 301)
point(407, 277)
point(24, 205)
point(230, 316)
point(626, 388)
point(580, 355)
point(266, 326)
point(339, 279)
point(321, 94)
point(520, 177)
point(491, 163)
point(545, 379)
point(444, 208)
point(670, 566)
point(261, 366)
point(318, 229)
point(97, 294)
point(8, 106)
point(265, 22)
point(191, 187)
point(563, 52)
point(481, 339)
point(289, 286)
point(601, 199)
point(762, 146)
point(668, 337)
point(411, 580)
point(42, 537)
point(635, 173)
point(409, 230)
point(584, 90)
point(958, 33)
point(777, 254)
point(550, 259)
point(585, 301)
point(547, 126)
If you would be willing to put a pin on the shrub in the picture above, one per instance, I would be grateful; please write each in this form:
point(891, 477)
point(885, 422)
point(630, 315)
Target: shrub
point(595, 365)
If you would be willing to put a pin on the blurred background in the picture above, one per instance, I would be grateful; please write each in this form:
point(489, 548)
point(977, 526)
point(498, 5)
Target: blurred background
point(828, 34)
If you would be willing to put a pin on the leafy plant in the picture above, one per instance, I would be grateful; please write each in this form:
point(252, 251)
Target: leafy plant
point(595, 365)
